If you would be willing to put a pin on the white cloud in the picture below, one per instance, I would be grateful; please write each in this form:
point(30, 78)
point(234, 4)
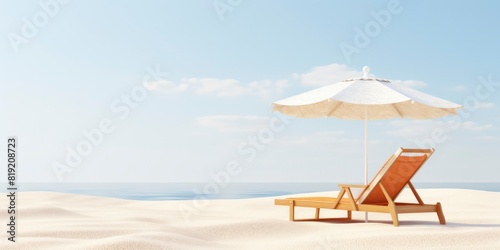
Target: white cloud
point(459, 88)
point(321, 139)
point(414, 128)
point(473, 126)
point(268, 88)
point(425, 128)
point(220, 87)
point(488, 138)
point(233, 123)
point(333, 73)
point(328, 74)
point(215, 87)
point(485, 105)
point(318, 76)
point(165, 86)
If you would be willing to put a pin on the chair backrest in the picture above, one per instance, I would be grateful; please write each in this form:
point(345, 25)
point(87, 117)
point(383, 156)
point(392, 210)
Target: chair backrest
point(394, 175)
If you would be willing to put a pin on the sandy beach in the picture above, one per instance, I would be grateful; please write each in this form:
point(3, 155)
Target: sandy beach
point(68, 221)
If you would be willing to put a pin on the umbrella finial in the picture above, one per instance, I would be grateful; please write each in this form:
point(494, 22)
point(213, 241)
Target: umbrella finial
point(366, 71)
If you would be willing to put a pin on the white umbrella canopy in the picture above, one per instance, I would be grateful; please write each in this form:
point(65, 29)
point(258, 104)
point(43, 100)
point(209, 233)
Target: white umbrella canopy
point(361, 98)
point(366, 99)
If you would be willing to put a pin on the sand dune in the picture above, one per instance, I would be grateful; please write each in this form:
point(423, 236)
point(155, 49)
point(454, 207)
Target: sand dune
point(67, 221)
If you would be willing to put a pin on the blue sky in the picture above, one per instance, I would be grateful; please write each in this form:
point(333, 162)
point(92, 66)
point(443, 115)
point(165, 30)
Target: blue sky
point(217, 67)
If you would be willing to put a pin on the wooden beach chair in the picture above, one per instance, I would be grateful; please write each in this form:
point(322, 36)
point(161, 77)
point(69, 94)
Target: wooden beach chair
point(380, 194)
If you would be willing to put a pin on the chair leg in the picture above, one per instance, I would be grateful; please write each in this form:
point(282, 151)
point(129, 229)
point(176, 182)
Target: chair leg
point(317, 213)
point(292, 210)
point(349, 214)
point(439, 211)
point(394, 215)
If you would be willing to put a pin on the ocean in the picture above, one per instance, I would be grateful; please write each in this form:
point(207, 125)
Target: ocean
point(189, 191)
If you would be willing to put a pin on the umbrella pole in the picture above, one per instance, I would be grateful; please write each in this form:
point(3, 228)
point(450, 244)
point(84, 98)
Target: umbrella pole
point(366, 154)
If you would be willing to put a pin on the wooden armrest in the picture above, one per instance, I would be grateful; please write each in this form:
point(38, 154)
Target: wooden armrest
point(353, 185)
point(418, 150)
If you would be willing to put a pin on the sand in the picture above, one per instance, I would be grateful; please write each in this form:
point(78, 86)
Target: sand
point(68, 221)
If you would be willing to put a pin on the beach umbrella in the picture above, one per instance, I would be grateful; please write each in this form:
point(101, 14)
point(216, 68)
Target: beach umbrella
point(365, 98)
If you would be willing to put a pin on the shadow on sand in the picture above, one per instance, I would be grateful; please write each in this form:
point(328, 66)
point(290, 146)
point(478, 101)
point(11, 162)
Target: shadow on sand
point(401, 223)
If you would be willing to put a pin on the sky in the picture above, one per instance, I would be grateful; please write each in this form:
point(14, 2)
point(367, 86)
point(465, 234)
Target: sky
point(181, 91)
